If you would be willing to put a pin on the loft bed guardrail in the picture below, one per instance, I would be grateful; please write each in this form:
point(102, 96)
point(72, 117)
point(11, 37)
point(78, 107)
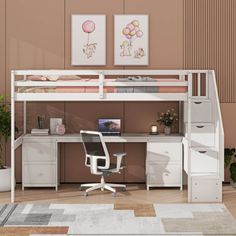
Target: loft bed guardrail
point(108, 85)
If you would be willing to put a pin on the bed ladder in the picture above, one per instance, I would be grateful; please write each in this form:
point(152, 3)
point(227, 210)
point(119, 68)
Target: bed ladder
point(206, 151)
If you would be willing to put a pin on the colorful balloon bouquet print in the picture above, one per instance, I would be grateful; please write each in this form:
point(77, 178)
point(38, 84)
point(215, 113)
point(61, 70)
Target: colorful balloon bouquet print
point(88, 40)
point(131, 40)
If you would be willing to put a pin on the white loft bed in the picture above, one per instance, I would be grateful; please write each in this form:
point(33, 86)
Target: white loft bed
point(177, 85)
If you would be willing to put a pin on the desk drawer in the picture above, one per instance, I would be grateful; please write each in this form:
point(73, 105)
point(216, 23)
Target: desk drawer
point(164, 152)
point(202, 135)
point(39, 152)
point(163, 175)
point(204, 161)
point(39, 174)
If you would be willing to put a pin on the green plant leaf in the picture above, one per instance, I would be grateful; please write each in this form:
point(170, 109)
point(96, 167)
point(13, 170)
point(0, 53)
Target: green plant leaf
point(233, 172)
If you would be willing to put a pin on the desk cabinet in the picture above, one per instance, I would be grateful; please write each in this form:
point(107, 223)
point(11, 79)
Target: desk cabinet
point(164, 164)
point(39, 164)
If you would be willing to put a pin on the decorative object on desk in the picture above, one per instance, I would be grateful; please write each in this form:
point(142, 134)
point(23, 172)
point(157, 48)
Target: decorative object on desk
point(60, 129)
point(41, 121)
point(40, 132)
point(131, 40)
point(230, 161)
point(54, 122)
point(168, 119)
point(167, 130)
point(5, 133)
point(88, 40)
point(154, 130)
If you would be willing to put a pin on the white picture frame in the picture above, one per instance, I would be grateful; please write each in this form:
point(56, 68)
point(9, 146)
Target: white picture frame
point(131, 40)
point(88, 40)
point(54, 122)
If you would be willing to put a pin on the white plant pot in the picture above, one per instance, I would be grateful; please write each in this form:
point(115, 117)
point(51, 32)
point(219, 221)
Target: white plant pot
point(5, 179)
point(167, 130)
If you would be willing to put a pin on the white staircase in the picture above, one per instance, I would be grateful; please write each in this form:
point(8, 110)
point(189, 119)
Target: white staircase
point(204, 149)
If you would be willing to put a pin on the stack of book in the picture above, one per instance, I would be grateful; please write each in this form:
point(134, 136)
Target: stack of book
point(40, 131)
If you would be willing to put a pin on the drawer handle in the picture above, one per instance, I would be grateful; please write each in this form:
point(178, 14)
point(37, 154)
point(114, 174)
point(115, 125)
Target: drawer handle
point(200, 126)
point(198, 102)
point(202, 151)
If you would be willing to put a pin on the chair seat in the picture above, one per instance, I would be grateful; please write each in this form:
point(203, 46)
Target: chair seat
point(111, 169)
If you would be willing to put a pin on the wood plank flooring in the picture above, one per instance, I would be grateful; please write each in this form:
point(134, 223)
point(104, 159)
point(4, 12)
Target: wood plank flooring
point(25, 231)
point(135, 194)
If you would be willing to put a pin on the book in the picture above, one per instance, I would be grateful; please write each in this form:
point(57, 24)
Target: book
point(40, 131)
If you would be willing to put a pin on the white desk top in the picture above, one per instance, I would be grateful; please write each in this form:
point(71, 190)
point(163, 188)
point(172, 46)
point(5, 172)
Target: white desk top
point(123, 138)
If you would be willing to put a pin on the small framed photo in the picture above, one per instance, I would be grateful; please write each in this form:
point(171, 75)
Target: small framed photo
point(54, 122)
point(131, 40)
point(88, 35)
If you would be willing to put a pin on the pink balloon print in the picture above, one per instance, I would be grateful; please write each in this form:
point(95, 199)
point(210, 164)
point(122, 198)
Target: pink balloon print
point(139, 33)
point(130, 26)
point(88, 26)
point(126, 31)
point(128, 36)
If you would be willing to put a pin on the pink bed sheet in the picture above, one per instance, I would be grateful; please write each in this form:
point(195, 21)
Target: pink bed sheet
point(112, 89)
point(106, 89)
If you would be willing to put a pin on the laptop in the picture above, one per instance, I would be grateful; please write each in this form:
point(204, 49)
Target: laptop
point(109, 127)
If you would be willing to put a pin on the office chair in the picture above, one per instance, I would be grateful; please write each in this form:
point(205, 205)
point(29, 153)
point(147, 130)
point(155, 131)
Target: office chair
point(98, 159)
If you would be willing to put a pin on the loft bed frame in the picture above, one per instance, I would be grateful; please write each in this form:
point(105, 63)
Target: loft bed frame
point(196, 89)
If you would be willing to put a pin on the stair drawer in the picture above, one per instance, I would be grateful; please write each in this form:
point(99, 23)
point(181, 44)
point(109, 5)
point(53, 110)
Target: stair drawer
point(202, 135)
point(164, 152)
point(204, 161)
point(162, 174)
point(39, 174)
point(206, 189)
point(201, 111)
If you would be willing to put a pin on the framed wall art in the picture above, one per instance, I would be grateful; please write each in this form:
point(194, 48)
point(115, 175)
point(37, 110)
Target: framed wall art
point(88, 34)
point(131, 40)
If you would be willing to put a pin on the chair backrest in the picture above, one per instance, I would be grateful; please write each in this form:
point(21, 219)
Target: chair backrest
point(95, 146)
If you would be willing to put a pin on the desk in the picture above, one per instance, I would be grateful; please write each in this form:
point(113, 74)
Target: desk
point(40, 158)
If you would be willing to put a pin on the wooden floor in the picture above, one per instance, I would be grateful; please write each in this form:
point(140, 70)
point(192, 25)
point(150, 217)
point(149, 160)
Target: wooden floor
point(135, 194)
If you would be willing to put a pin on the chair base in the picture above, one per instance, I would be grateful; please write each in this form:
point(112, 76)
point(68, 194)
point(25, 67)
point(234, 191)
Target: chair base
point(102, 186)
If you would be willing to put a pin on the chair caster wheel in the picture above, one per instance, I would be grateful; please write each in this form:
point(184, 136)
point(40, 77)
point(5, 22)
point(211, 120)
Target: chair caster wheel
point(113, 194)
point(86, 194)
point(80, 188)
point(123, 189)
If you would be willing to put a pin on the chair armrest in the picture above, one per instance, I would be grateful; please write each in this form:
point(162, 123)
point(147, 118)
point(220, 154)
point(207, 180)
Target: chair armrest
point(119, 157)
point(94, 165)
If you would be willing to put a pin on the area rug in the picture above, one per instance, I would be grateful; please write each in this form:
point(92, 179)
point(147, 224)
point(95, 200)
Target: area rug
point(116, 219)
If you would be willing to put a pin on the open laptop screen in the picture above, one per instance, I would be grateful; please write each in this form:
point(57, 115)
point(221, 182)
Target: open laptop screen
point(109, 126)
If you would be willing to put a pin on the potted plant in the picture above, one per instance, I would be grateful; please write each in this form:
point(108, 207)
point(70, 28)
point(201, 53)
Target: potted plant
point(168, 119)
point(5, 132)
point(230, 161)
